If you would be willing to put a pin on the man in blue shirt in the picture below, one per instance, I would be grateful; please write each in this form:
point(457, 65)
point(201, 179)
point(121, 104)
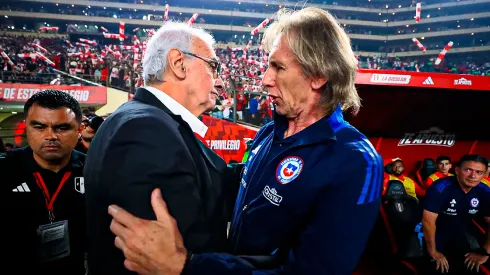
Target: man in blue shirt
point(254, 109)
point(310, 191)
point(451, 204)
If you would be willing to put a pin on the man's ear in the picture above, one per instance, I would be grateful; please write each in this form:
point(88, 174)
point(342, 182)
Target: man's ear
point(175, 61)
point(80, 129)
point(318, 82)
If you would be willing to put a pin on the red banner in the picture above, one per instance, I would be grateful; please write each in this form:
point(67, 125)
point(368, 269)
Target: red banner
point(22, 92)
point(226, 138)
point(423, 79)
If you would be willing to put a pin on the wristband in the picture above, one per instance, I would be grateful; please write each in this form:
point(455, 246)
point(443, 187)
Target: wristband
point(482, 251)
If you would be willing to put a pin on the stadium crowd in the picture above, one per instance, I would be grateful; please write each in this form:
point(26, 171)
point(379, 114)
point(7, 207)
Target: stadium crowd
point(271, 8)
point(242, 70)
point(250, 22)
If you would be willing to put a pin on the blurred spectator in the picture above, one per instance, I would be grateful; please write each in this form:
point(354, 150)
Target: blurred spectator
point(2, 146)
point(9, 146)
point(397, 173)
point(254, 109)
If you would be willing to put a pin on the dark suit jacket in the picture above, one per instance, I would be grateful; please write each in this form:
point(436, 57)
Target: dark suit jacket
point(140, 147)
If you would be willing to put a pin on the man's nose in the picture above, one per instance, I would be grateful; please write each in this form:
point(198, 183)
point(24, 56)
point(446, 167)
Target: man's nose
point(219, 84)
point(51, 134)
point(268, 80)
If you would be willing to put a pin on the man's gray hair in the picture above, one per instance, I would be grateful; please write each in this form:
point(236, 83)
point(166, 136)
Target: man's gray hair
point(323, 49)
point(172, 35)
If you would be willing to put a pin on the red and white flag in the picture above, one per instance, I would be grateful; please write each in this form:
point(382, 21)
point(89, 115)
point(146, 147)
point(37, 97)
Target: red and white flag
point(417, 42)
point(45, 59)
point(121, 30)
point(418, 9)
point(91, 42)
point(261, 26)
point(165, 15)
point(39, 47)
point(49, 28)
point(193, 19)
point(112, 35)
point(443, 53)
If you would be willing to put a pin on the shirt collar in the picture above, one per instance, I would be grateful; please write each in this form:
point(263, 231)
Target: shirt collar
point(177, 109)
point(324, 129)
point(75, 161)
point(400, 177)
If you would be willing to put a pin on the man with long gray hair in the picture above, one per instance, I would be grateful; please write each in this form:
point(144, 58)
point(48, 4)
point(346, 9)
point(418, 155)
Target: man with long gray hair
point(149, 143)
point(310, 191)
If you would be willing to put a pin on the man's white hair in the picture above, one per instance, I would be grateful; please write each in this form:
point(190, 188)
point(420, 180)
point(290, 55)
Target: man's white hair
point(172, 35)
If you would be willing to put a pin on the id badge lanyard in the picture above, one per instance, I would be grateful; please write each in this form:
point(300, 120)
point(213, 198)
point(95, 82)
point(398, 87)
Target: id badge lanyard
point(49, 200)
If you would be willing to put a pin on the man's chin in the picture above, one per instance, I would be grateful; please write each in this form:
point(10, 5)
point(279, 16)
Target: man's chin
point(54, 157)
point(281, 112)
point(211, 107)
point(213, 96)
point(88, 138)
point(472, 183)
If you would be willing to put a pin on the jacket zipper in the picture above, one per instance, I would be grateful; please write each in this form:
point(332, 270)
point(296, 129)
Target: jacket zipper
point(236, 236)
point(235, 226)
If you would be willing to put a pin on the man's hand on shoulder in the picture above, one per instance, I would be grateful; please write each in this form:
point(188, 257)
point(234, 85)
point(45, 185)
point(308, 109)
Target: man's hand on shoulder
point(150, 247)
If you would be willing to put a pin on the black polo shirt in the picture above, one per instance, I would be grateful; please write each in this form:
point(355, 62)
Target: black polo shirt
point(80, 147)
point(456, 210)
point(24, 209)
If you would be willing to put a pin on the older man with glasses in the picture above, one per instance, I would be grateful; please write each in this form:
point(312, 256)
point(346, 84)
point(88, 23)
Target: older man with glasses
point(150, 143)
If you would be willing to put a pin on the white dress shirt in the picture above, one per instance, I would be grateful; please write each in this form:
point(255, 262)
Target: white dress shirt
point(177, 109)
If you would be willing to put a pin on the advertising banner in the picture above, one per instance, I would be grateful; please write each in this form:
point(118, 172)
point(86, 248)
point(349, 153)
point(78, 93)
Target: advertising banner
point(423, 80)
point(226, 138)
point(90, 95)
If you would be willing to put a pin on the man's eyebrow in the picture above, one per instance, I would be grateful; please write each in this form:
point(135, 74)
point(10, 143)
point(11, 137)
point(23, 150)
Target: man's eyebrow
point(476, 170)
point(277, 62)
point(35, 122)
point(64, 125)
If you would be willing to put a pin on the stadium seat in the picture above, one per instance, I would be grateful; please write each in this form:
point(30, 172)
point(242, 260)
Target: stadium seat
point(428, 168)
point(388, 169)
point(402, 215)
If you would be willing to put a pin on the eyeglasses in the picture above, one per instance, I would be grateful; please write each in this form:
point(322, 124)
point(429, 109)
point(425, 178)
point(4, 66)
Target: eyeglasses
point(213, 62)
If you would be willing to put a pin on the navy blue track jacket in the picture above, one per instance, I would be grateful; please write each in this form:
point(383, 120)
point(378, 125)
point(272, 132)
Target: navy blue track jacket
point(311, 200)
point(456, 211)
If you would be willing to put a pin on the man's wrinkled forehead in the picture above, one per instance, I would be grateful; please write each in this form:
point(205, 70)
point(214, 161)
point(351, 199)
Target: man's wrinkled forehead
point(276, 42)
point(475, 165)
point(202, 48)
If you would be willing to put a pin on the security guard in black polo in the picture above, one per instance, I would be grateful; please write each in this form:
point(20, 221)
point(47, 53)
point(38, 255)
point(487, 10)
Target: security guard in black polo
point(42, 191)
point(450, 206)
